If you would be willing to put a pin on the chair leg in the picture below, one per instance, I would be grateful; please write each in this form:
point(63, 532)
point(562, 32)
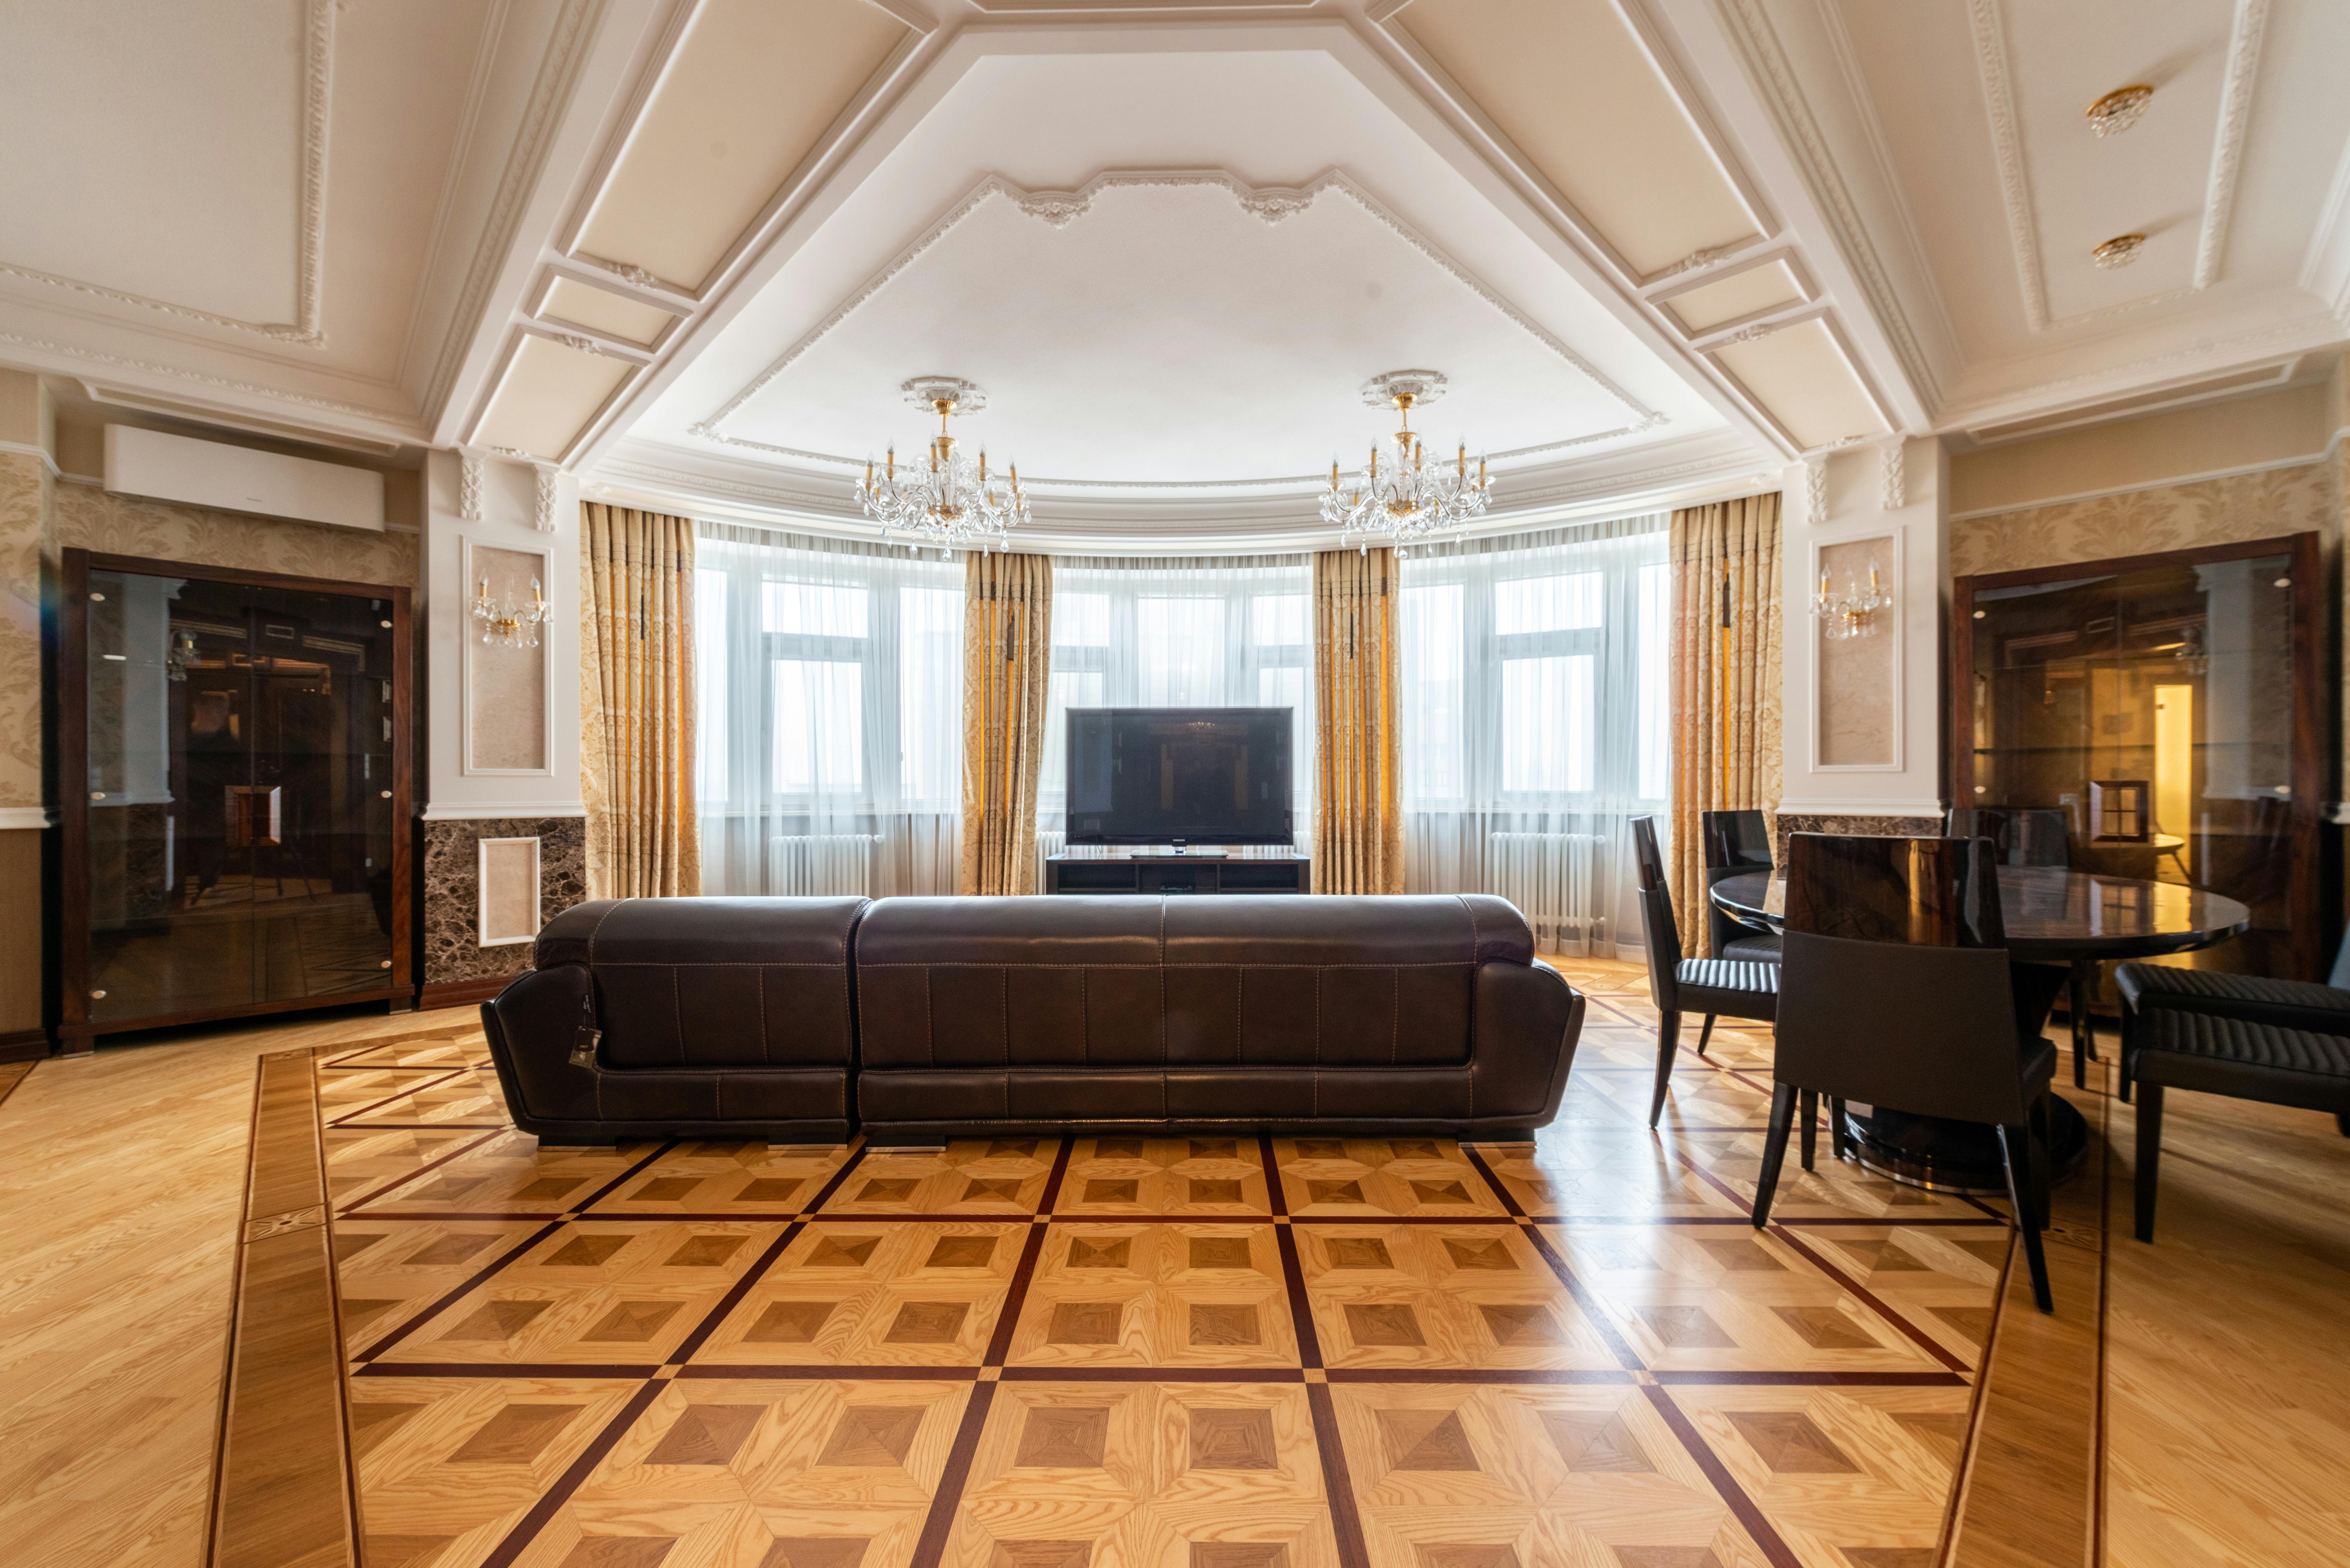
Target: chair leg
point(1808, 1113)
point(2041, 1216)
point(2149, 1156)
point(1668, 1034)
point(1705, 1035)
point(2084, 1029)
point(1774, 1151)
point(1839, 1141)
point(2015, 1146)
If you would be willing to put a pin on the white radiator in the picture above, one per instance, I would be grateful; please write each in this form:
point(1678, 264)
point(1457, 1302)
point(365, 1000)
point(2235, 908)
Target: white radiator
point(1554, 879)
point(817, 865)
point(1047, 846)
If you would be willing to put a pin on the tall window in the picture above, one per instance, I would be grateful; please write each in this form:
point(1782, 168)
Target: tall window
point(1533, 719)
point(829, 751)
point(1213, 632)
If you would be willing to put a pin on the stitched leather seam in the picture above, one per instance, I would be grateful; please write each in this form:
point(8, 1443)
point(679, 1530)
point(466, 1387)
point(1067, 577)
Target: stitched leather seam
point(929, 1030)
point(1240, 1012)
point(677, 1013)
point(719, 963)
point(596, 929)
point(1179, 963)
point(766, 1047)
point(1084, 1020)
point(1394, 1014)
point(1162, 1007)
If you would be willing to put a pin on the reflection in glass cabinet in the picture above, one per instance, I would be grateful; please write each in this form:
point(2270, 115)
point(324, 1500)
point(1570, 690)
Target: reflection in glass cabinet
point(2168, 706)
point(240, 745)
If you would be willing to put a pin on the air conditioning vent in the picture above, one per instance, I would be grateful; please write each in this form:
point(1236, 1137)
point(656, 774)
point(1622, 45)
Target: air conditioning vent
point(238, 478)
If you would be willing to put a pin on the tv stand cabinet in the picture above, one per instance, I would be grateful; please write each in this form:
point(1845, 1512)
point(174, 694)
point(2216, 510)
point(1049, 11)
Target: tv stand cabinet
point(1163, 873)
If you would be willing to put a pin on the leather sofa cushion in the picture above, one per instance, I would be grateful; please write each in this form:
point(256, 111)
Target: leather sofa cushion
point(1247, 982)
point(714, 983)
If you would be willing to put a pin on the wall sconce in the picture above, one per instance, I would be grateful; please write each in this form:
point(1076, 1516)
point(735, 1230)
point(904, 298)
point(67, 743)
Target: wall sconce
point(1851, 613)
point(510, 625)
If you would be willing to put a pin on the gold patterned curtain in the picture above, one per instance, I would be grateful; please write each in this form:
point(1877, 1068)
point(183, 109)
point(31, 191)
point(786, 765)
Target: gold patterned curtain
point(1358, 824)
point(636, 704)
point(1007, 665)
point(1727, 612)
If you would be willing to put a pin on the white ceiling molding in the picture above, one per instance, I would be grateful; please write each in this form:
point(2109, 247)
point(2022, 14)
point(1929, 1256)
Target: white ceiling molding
point(2204, 356)
point(2326, 268)
point(1269, 205)
point(73, 351)
point(1995, 66)
point(1529, 176)
point(1751, 34)
point(1851, 363)
point(2227, 141)
point(310, 234)
point(1894, 475)
point(551, 92)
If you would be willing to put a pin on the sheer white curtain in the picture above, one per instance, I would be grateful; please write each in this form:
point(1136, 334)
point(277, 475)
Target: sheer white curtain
point(1536, 721)
point(830, 696)
point(1208, 631)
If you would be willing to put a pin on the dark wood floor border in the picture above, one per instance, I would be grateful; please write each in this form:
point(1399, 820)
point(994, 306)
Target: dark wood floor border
point(2028, 1491)
point(12, 1073)
point(283, 1490)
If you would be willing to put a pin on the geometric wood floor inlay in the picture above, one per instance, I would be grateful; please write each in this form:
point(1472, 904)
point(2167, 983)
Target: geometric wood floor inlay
point(1201, 1353)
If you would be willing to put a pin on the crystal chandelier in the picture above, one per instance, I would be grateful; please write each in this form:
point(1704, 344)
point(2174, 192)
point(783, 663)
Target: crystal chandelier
point(510, 625)
point(947, 499)
point(1852, 613)
point(1411, 498)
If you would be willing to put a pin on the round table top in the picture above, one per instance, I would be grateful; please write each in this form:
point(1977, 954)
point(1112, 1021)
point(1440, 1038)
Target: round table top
point(2052, 913)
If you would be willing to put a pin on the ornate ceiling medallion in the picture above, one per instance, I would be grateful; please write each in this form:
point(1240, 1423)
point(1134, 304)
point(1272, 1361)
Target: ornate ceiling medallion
point(947, 501)
point(2120, 108)
point(1412, 500)
point(2119, 251)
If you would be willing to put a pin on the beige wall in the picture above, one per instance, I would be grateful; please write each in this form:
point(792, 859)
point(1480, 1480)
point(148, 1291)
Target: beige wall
point(2270, 428)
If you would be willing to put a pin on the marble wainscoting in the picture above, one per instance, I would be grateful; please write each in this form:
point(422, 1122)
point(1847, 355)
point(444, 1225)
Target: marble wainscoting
point(1789, 822)
point(457, 966)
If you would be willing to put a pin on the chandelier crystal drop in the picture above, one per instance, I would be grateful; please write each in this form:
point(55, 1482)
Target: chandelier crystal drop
point(1404, 498)
point(946, 500)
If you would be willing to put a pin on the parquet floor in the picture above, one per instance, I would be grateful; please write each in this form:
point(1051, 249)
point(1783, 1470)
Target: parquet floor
point(1310, 1353)
point(1196, 1354)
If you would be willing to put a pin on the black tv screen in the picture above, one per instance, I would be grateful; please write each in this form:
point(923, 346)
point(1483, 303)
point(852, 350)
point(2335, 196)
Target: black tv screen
point(1178, 775)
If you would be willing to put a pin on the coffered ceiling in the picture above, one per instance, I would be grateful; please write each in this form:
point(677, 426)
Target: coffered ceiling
point(692, 248)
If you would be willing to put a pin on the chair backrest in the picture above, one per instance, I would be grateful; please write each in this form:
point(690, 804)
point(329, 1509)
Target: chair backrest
point(1662, 933)
point(1867, 889)
point(1739, 839)
point(1925, 1028)
point(2022, 835)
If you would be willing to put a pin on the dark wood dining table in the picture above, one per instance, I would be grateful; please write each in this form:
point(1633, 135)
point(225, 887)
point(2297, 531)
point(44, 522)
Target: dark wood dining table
point(2054, 917)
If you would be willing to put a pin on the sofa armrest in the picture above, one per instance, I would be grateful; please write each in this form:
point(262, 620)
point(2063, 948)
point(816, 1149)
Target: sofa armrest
point(1525, 1026)
point(531, 1026)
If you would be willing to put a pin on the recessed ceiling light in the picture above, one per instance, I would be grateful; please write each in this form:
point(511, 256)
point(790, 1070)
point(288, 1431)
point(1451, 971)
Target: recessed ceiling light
point(2119, 251)
point(2120, 108)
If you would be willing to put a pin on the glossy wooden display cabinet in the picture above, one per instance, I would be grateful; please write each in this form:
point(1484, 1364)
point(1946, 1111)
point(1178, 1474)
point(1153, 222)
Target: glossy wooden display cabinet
point(2191, 677)
point(233, 757)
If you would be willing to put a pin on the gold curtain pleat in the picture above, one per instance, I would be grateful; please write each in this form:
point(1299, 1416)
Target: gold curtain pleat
point(1726, 690)
point(636, 704)
point(1357, 826)
point(1007, 666)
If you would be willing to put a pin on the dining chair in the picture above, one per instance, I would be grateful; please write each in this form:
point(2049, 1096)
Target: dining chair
point(1901, 995)
point(2284, 1042)
point(1735, 843)
point(1741, 988)
point(2040, 836)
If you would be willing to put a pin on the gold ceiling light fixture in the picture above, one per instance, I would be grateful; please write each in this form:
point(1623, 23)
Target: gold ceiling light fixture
point(2119, 251)
point(2120, 108)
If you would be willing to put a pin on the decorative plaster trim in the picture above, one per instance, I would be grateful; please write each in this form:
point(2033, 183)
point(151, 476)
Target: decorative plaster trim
point(469, 486)
point(25, 449)
point(2227, 143)
point(544, 519)
point(2007, 140)
point(558, 74)
point(310, 222)
point(1270, 204)
point(226, 383)
point(25, 818)
point(482, 897)
point(2325, 268)
point(1749, 26)
point(2197, 478)
point(1894, 476)
point(502, 810)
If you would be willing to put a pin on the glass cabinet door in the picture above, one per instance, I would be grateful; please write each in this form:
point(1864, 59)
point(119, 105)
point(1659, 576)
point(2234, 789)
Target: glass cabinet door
point(241, 809)
point(2153, 705)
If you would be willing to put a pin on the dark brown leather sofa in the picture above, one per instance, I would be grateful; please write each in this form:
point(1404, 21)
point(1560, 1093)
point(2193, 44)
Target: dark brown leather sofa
point(796, 1020)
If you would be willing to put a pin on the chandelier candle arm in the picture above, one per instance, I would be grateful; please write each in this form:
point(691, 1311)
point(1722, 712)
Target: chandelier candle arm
point(950, 503)
point(1410, 499)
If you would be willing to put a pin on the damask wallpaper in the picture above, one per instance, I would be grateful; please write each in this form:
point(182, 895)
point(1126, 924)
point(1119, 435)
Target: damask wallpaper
point(25, 500)
point(2173, 518)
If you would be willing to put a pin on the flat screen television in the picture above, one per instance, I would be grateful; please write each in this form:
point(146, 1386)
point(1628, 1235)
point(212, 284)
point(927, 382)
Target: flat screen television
point(1178, 775)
